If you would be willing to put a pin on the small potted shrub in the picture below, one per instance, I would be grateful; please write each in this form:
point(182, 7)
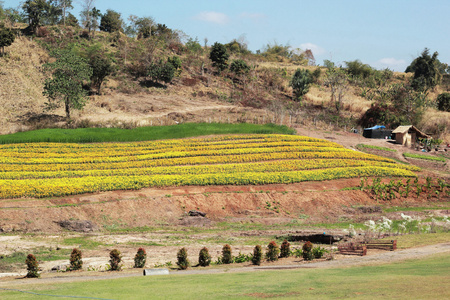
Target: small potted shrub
point(182, 259)
point(272, 251)
point(257, 255)
point(307, 251)
point(227, 258)
point(115, 260)
point(204, 259)
point(32, 266)
point(285, 249)
point(140, 258)
point(76, 262)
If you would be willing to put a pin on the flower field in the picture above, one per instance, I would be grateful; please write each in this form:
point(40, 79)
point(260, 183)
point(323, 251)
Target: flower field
point(55, 169)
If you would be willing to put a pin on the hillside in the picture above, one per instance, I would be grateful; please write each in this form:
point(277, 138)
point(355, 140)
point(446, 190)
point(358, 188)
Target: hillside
point(197, 94)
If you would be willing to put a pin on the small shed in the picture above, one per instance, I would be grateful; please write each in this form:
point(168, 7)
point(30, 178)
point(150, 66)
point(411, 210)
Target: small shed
point(407, 135)
point(377, 132)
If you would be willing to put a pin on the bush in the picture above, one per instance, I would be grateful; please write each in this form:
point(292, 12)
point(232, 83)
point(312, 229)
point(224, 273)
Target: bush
point(140, 258)
point(182, 260)
point(32, 266)
point(219, 56)
point(227, 258)
point(318, 252)
point(272, 251)
point(307, 251)
point(300, 83)
point(76, 263)
point(115, 260)
point(239, 66)
point(285, 249)
point(204, 259)
point(257, 255)
point(443, 102)
point(241, 258)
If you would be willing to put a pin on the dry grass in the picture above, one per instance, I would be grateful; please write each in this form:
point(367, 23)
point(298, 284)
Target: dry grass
point(21, 82)
point(437, 123)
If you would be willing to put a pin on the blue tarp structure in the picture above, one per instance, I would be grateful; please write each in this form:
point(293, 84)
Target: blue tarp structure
point(377, 132)
point(376, 127)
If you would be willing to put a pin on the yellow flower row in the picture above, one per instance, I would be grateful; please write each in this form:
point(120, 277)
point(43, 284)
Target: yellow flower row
point(66, 186)
point(271, 166)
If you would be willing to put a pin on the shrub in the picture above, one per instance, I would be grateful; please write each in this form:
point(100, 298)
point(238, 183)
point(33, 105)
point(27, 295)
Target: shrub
point(239, 66)
point(443, 102)
point(182, 260)
point(32, 266)
point(307, 251)
point(140, 258)
point(318, 252)
point(285, 249)
point(115, 260)
point(204, 259)
point(272, 251)
point(257, 255)
point(300, 83)
point(219, 56)
point(227, 258)
point(76, 263)
point(241, 258)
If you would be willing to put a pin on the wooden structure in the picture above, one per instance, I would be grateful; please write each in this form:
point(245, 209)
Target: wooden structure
point(353, 249)
point(383, 245)
point(408, 135)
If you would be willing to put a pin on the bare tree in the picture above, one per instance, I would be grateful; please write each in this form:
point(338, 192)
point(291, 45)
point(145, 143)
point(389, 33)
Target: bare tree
point(65, 5)
point(337, 81)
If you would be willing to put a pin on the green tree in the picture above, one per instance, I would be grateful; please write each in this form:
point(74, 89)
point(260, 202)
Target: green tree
point(300, 83)
point(443, 102)
point(36, 11)
point(111, 21)
point(426, 71)
point(239, 67)
point(71, 20)
point(64, 5)
point(7, 37)
point(204, 259)
point(144, 27)
point(219, 56)
point(69, 71)
point(101, 67)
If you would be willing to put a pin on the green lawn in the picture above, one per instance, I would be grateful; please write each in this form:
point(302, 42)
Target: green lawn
point(423, 156)
point(419, 279)
point(90, 135)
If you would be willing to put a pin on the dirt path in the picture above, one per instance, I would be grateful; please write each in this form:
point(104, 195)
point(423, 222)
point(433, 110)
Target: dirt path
point(340, 261)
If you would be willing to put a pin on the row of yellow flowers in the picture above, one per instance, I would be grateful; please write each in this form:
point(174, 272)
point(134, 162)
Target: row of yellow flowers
point(40, 188)
point(270, 166)
point(199, 160)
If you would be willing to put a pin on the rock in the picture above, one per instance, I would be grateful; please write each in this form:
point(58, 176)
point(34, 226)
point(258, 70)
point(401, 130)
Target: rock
point(62, 267)
point(149, 272)
point(78, 225)
point(196, 213)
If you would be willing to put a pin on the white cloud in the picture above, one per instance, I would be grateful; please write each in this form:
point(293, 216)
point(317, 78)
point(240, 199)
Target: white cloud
point(391, 63)
point(213, 17)
point(316, 50)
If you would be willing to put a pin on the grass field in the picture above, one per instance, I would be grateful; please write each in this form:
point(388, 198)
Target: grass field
point(56, 169)
point(97, 135)
point(418, 279)
point(426, 157)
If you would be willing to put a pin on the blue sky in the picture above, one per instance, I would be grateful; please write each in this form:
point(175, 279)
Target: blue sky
point(382, 33)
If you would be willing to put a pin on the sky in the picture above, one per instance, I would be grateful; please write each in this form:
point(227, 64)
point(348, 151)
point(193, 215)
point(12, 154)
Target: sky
point(381, 33)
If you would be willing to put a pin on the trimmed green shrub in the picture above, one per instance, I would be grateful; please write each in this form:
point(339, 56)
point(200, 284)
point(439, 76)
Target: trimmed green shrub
point(115, 260)
point(307, 251)
point(182, 259)
point(285, 249)
point(318, 252)
point(140, 258)
point(76, 263)
point(32, 266)
point(272, 251)
point(204, 259)
point(257, 255)
point(300, 83)
point(227, 258)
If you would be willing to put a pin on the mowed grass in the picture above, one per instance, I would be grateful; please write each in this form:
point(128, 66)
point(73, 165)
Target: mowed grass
point(97, 135)
point(419, 279)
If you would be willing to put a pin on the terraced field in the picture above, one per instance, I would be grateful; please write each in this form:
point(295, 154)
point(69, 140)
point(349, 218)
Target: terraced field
point(54, 169)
